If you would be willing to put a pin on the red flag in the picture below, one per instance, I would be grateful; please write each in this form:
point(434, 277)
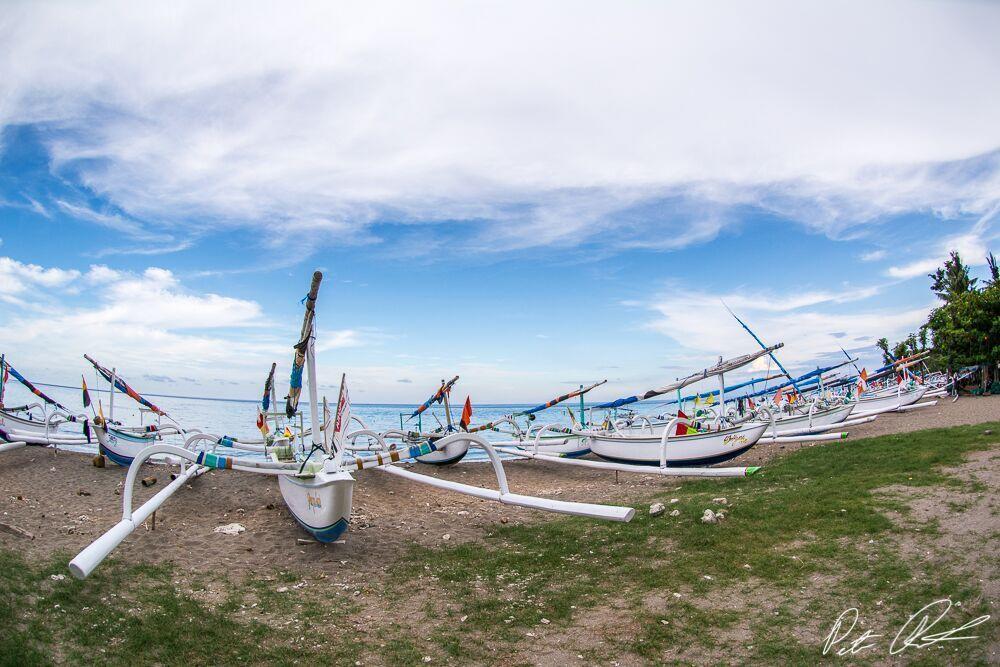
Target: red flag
point(466, 414)
point(753, 406)
point(86, 394)
point(863, 381)
point(262, 424)
point(682, 429)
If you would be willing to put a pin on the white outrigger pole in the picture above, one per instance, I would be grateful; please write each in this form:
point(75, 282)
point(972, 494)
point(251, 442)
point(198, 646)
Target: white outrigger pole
point(318, 492)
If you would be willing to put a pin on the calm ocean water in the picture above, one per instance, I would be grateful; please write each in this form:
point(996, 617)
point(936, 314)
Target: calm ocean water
point(238, 418)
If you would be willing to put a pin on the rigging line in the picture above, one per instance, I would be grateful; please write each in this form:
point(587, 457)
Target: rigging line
point(852, 361)
point(764, 347)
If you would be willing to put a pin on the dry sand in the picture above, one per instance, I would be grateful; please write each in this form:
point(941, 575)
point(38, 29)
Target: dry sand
point(66, 503)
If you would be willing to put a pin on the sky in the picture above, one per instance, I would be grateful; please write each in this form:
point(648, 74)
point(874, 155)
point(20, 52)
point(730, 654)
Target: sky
point(528, 195)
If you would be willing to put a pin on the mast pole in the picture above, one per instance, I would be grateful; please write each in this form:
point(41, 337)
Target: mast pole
point(722, 400)
point(313, 392)
point(111, 401)
point(851, 360)
point(764, 347)
point(447, 404)
point(583, 415)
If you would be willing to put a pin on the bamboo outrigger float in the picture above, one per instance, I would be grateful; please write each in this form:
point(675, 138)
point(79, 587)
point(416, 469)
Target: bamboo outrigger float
point(318, 493)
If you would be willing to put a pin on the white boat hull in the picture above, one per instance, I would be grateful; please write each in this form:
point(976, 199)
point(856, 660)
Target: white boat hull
point(570, 446)
point(453, 452)
point(892, 401)
point(321, 504)
point(11, 422)
point(797, 423)
point(684, 450)
point(121, 447)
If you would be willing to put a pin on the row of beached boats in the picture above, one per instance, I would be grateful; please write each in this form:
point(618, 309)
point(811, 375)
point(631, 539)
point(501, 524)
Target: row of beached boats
point(315, 464)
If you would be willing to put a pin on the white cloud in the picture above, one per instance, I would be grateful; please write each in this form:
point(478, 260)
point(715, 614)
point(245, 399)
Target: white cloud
point(335, 340)
point(921, 267)
point(325, 118)
point(699, 322)
point(873, 256)
point(148, 324)
point(18, 280)
point(972, 246)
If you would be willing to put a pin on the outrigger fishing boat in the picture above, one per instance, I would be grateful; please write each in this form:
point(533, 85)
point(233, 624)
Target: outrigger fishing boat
point(318, 492)
point(39, 423)
point(563, 443)
point(794, 413)
point(548, 439)
point(121, 444)
point(682, 441)
point(890, 399)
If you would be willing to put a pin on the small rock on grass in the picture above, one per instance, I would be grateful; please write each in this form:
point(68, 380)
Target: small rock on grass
point(656, 509)
point(231, 529)
point(709, 517)
point(720, 501)
point(675, 513)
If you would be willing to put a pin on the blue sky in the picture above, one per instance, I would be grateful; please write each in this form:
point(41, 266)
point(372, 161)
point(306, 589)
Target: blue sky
point(530, 216)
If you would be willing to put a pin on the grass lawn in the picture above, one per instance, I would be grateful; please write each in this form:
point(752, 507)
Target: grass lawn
point(804, 539)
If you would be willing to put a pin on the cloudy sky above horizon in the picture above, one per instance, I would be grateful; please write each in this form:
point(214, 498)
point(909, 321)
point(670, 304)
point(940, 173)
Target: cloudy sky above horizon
point(530, 195)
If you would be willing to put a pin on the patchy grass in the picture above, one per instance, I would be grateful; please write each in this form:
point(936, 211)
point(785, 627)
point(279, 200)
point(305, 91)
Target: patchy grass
point(140, 614)
point(803, 540)
point(812, 514)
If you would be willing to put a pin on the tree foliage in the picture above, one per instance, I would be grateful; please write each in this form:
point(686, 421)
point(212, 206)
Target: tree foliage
point(991, 262)
point(966, 327)
point(952, 279)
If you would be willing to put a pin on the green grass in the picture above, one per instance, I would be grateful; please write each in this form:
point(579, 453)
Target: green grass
point(129, 614)
point(811, 514)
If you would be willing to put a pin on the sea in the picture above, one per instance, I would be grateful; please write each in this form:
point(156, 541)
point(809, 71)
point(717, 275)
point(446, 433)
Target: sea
point(237, 418)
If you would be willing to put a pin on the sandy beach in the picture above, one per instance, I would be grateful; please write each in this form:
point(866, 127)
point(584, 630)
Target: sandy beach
point(65, 503)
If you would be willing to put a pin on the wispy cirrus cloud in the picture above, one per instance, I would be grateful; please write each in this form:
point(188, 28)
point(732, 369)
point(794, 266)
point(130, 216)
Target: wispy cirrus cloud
point(973, 247)
point(112, 221)
point(405, 115)
point(873, 256)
